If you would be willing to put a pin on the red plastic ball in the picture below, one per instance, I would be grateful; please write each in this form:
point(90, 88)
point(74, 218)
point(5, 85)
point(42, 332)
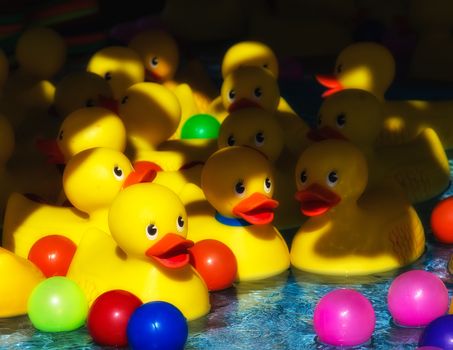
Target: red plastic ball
point(215, 262)
point(442, 221)
point(53, 254)
point(109, 315)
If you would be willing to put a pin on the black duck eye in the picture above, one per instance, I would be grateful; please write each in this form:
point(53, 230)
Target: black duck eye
point(124, 100)
point(267, 185)
point(332, 178)
point(231, 141)
point(118, 172)
point(60, 135)
point(108, 76)
point(154, 62)
point(239, 188)
point(341, 120)
point(258, 92)
point(231, 95)
point(319, 119)
point(180, 223)
point(265, 65)
point(89, 103)
point(303, 176)
point(152, 232)
point(339, 68)
point(259, 139)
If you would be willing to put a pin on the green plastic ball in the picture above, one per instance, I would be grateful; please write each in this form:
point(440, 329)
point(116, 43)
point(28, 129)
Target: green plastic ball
point(57, 304)
point(200, 126)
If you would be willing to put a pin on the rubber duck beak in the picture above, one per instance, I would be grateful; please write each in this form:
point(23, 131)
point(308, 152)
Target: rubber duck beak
point(108, 103)
point(243, 103)
point(325, 133)
point(143, 172)
point(171, 251)
point(332, 84)
point(152, 76)
point(50, 149)
point(256, 209)
point(316, 200)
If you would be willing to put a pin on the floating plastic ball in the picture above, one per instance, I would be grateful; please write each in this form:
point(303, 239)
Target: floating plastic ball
point(344, 317)
point(200, 126)
point(157, 325)
point(439, 333)
point(417, 297)
point(53, 254)
point(442, 221)
point(109, 316)
point(215, 262)
point(57, 304)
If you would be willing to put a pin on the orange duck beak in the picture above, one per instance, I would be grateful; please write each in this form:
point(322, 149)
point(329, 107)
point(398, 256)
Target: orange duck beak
point(171, 251)
point(325, 133)
point(243, 103)
point(50, 149)
point(108, 103)
point(257, 209)
point(143, 172)
point(332, 84)
point(316, 200)
point(152, 76)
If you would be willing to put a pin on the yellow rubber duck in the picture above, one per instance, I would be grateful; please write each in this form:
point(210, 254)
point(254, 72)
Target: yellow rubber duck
point(146, 254)
point(120, 66)
point(370, 66)
point(91, 180)
point(350, 232)
point(238, 183)
point(419, 167)
point(259, 129)
point(20, 277)
point(82, 89)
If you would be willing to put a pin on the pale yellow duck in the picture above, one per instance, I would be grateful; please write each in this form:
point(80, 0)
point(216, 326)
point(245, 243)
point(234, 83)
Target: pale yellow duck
point(146, 254)
point(370, 66)
point(419, 167)
point(350, 232)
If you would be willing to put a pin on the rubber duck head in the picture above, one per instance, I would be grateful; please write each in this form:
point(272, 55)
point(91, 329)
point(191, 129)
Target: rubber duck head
point(238, 182)
point(149, 221)
point(352, 114)
point(41, 52)
point(250, 86)
point(255, 128)
point(93, 178)
point(82, 89)
point(249, 53)
point(6, 140)
point(151, 113)
point(327, 173)
point(364, 65)
point(120, 66)
point(159, 52)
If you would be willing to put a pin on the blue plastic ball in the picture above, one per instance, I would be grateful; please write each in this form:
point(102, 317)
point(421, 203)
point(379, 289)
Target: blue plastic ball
point(157, 325)
point(438, 333)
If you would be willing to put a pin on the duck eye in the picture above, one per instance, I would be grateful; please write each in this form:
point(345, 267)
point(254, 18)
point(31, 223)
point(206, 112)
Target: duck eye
point(332, 178)
point(151, 232)
point(267, 185)
point(258, 92)
point(89, 103)
point(303, 176)
point(154, 62)
point(60, 135)
point(124, 100)
point(339, 68)
point(232, 95)
point(319, 119)
point(179, 223)
point(239, 188)
point(118, 172)
point(231, 141)
point(265, 65)
point(341, 120)
point(108, 76)
point(259, 139)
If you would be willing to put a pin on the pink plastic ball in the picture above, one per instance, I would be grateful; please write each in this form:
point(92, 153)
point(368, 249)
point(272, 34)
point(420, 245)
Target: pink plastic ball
point(417, 297)
point(344, 317)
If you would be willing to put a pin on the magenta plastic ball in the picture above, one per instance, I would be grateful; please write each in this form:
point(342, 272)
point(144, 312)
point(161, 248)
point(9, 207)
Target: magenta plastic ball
point(344, 317)
point(417, 297)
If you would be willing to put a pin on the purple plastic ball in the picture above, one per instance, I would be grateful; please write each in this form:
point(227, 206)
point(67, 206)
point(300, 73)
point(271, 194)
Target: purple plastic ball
point(417, 297)
point(344, 317)
point(439, 333)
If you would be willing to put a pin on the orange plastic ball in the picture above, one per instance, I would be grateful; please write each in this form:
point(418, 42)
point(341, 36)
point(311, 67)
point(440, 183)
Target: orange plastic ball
point(442, 221)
